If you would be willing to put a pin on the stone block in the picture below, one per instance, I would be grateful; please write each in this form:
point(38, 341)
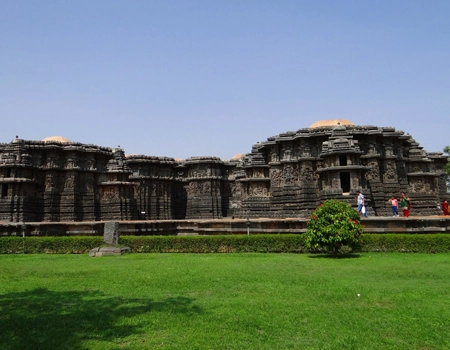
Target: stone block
point(105, 251)
point(111, 232)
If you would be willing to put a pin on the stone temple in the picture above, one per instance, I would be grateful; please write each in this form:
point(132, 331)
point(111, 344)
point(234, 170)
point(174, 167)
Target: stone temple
point(287, 176)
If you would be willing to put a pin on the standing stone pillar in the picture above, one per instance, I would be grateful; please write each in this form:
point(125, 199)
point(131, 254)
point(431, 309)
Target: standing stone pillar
point(111, 232)
point(111, 237)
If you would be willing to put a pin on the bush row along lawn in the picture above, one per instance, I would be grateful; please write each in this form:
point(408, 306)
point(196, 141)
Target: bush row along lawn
point(425, 243)
point(225, 301)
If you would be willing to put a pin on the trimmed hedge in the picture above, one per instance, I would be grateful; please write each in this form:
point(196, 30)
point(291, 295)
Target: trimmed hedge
point(216, 244)
point(410, 243)
point(49, 245)
point(288, 243)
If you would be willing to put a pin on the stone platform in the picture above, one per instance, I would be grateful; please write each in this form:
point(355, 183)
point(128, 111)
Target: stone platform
point(374, 224)
point(104, 251)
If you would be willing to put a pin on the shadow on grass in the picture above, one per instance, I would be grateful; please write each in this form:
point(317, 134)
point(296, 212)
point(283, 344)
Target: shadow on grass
point(44, 319)
point(332, 256)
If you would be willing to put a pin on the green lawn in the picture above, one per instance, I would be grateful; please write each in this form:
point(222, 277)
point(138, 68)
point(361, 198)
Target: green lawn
point(225, 301)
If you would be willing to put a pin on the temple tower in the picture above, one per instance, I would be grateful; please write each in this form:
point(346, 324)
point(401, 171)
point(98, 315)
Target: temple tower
point(203, 187)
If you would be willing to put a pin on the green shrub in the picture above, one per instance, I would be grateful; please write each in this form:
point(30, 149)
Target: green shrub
point(215, 244)
point(408, 243)
point(332, 225)
point(60, 245)
point(264, 243)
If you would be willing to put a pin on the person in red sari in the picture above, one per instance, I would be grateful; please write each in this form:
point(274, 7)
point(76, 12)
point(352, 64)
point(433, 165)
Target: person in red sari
point(444, 207)
point(405, 204)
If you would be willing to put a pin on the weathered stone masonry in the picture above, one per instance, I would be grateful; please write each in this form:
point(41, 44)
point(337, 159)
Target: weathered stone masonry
point(288, 175)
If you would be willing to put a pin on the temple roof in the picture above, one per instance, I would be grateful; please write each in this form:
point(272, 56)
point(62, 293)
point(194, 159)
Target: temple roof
point(331, 122)
point(61, 139)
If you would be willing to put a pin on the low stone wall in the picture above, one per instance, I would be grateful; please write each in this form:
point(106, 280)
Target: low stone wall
point(93, 228)
point(420, 224)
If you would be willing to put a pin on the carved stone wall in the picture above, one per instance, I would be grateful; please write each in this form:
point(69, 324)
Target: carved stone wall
point(50, 181)
point(154, 190)
point(203, 187)
point(288, 175)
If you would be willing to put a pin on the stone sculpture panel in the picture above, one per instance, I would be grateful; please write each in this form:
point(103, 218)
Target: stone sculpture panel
point(276, 177)
point(69, 182)
point(390, 173)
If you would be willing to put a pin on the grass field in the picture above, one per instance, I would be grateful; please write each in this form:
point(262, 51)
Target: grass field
point(225, 301)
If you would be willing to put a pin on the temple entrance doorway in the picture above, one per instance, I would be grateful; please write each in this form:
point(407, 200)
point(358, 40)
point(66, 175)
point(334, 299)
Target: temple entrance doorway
point(345, 181)
point(4, 191)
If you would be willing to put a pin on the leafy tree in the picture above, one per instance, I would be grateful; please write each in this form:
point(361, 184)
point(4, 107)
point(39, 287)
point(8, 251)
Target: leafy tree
point(332, 225)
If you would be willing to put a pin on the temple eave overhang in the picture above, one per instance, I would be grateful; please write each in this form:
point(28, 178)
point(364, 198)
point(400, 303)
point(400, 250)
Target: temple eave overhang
point(423, 174)
point(253, 179)
point(14, 179)
point(343, 168)
point(115, 183)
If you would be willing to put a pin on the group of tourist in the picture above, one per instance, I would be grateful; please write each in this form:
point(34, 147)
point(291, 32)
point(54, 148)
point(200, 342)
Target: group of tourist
point(405, 205)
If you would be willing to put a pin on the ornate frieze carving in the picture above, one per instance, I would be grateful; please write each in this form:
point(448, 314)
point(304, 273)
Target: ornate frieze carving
point(374, 172)
point(287, 152)
point(307, 174)
point(138, 190)
point(52, 160)
point(276, 177)
point(290, 175)
point(110, 194)
point(49, 182)
point(236, 189)
point(206, 188)
point(71, 161)
point(69, 182)
point(390, 172)
point(335, 183)
point(154, 189)
point(258, 173)
point(274, 156)
point(191, 188)
point(259, 191)
point(355, 182)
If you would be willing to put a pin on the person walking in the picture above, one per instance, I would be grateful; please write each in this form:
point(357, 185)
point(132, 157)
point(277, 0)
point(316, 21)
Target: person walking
point(444, 207)
point(405, 204)
point(394, 204)
point(360, 202)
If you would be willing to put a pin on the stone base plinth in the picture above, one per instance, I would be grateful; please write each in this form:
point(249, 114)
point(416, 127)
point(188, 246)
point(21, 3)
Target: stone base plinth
point(103, 251)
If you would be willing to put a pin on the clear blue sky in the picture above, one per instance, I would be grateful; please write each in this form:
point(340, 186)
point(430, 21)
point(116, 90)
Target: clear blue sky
point(198, 78)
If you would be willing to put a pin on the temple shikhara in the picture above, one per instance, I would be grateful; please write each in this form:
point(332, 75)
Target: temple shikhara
point(286, 176)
